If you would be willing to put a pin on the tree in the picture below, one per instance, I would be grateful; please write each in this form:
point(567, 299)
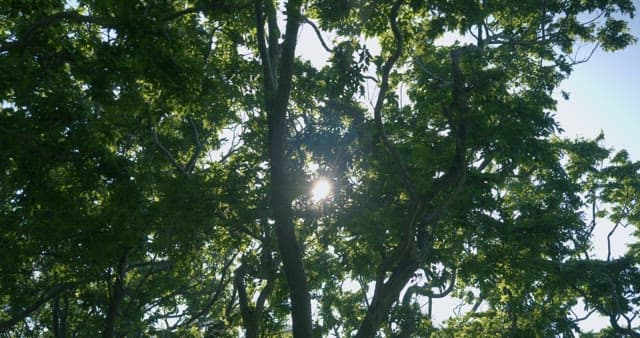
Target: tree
point(157, 158)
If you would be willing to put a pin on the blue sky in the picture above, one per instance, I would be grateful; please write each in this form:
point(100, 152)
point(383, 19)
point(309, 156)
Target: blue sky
point(605, 96)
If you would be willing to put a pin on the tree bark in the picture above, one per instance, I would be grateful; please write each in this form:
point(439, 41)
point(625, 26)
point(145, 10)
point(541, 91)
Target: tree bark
point(46, 296)
point(385, 295)
point(60, 317)
point(116, 298)
point(249, 317)
point(277, 64)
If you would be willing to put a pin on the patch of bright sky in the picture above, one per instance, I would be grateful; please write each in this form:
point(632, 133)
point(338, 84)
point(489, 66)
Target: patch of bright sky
point(321, 190)
point(605, 97)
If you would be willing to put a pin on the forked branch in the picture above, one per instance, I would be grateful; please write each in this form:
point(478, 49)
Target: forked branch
point(46, 296)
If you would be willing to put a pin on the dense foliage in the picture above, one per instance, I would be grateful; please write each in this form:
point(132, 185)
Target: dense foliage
point(157, 159)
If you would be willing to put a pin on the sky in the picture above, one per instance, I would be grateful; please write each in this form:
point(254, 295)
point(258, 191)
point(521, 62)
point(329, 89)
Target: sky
point(605, 96)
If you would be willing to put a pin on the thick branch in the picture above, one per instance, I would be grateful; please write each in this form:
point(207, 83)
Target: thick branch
point(267, 69)
point(251, 315)
point(613, 320)
point(42, 23)
point(245, 309)
point(46, 296)
point(117, 297)
point(273, 38)
point(386, 294)
point(457, 172)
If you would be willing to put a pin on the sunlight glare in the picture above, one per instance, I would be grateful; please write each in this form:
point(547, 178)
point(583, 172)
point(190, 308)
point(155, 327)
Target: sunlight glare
point(321, 190)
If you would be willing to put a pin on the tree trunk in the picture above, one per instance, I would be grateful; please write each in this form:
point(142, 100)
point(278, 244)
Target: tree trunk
point(116, 298)
point(249, 320)
point(385, 295)
point(277, 64)
point(288, 246)
point(60, 317)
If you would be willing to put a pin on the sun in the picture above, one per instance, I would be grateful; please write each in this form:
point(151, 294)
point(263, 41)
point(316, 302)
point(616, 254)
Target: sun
point(321, 190)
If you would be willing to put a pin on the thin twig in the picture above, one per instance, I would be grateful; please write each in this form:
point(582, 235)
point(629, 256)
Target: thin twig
point(423, 67)
point(222, 284)
point(575, 61)
point(585, 317)
point(196, 153)
point(167, 153)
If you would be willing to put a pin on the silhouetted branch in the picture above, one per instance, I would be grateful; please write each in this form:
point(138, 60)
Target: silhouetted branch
point(384, 88)
point(46, 296)
point(42, 23)
point(168, 154)
point(199, 147)
point(267, 68)
point(318, 34)
point(222, 284)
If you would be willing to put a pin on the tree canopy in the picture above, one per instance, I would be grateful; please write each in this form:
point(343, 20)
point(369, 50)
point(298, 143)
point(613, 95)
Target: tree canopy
point(157, 162)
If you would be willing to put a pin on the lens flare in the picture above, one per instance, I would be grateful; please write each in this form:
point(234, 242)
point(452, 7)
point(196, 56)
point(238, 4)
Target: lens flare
point(321, 190)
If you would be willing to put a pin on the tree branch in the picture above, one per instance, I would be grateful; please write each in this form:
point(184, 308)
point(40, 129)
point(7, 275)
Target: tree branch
point(613, 320)
point(318, 34)
point(116, 298)
point(267, 68)
point(585, 317)
point(42, 23)
point(456, 113)
point(251, 315)
point(273, 39)
point(426, 290)
point(277, 95)
point(199, 147)
point(46, 296)
point(211, 5)
point(216, 295)
point(443, 82)
point(168, 154)
point(384, 88)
